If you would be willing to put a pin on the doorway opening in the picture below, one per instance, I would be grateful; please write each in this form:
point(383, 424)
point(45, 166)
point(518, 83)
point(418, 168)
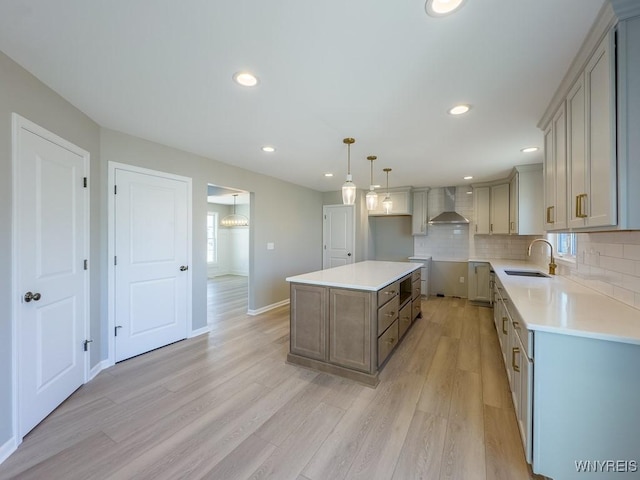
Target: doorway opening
point(228, 252)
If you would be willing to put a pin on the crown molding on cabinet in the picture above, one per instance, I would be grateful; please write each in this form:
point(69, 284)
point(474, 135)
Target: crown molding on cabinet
point(604, 22)
point(626, 8)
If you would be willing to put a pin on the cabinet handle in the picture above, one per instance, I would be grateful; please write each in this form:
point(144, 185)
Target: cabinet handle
point(504, 329)
point(476, 228)
point(516, 325)
point(513, 226)
point(390, 292)
point(491, 227)
point(549, 215)
point(391, 340)
point(579, 210)
point(390, 314)
point(515, 351)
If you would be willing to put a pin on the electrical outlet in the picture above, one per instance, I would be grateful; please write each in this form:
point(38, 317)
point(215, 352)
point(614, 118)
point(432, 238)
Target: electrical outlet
point(270, 246)
point(461, 279)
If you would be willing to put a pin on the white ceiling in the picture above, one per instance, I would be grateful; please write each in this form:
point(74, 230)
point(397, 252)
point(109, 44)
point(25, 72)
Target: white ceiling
point(380, 71)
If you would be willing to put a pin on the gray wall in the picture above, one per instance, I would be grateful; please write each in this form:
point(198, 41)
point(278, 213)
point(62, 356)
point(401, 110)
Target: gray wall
point(392, 238)
point(283, 213)
point(25, 95)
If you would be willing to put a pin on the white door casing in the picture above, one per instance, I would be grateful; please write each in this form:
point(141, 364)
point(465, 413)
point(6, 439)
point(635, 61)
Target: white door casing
point(338, 235)
point(50, 247)
point(151, 258)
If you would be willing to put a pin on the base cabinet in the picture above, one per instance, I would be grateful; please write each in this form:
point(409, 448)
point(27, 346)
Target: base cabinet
point(479, 282)
point(350, 328)
point(351, 332)
point(309, 338)
point(516, 344)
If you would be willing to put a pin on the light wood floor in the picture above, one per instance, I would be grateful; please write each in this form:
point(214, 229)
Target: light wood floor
point(226, 406)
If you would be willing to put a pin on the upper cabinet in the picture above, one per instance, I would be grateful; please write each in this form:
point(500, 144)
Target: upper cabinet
point(592, 148)
point(555, 172)
point(419, 220)
point(491, 205)
point(512, 206)
point(591, 156)
point(525, 201)
point(499, 207)
point(401, 202)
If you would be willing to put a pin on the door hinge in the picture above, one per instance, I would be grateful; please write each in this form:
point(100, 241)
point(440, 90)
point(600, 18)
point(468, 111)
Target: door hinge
point(84, 182)
point(86, 264)
point(115, 260)
point(86, 344)
point(115, 330)
point(325, 247)
point(115, 189)
point(325, 217)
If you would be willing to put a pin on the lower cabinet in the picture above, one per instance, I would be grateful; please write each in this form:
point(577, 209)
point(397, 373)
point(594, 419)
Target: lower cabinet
point(516, 344)
point(479, 282)
point(309, 338)
point(351, 332)
point(350, 328)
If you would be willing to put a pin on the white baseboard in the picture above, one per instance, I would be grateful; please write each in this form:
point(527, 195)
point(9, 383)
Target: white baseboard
point(98, 368)
point(8, 448)
point(200, 331)
point(268, 307)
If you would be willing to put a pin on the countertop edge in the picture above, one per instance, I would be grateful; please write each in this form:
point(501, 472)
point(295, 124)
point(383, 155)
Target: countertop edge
point(410, 268)
point(621, 337)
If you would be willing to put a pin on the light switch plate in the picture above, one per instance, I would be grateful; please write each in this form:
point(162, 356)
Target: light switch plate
point(271, 246)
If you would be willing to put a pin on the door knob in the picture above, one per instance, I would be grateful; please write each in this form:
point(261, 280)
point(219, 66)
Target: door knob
point(349, 254)
point(31, 296)
point(184, 268)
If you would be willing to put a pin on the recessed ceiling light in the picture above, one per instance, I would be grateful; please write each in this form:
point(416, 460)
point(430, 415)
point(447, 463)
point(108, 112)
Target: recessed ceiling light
point(468, 177)
point(376, 186)
point(245, 79)
point(328, 174)
point(529, 149)
point(459, 109)
point(268, 149)
point(440, 8)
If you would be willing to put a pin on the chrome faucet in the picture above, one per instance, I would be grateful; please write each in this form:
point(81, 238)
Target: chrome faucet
point(552, 265)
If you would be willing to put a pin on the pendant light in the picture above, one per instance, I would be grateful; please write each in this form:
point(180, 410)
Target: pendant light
point(372, 196)
point(236, 219)
point(387, 203)
point(348, 187)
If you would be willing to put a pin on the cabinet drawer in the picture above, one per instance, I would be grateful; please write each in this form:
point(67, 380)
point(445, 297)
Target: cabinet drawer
point(416, 289)
point(416, 307)
point(404, 319)
point(415, 275)
point(387, 293)
point(386, 342)
point(388, 313)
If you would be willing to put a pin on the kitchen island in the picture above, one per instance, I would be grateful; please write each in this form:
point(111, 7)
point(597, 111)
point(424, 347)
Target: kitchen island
point(347, 320)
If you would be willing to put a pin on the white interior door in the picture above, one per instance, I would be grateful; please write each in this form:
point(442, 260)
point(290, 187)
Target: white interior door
point(52, 207)
point(338, 235)
point(152, 254)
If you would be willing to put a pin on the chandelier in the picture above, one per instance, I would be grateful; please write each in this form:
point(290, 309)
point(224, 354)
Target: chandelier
point(235, 219)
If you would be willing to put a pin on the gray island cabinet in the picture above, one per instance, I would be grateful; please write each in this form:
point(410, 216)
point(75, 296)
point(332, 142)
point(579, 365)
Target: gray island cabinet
point(347, 320)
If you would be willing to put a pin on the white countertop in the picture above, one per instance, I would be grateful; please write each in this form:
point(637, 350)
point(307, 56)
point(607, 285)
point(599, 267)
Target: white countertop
point(560, 305)
point(420, 257)
point(370, 275)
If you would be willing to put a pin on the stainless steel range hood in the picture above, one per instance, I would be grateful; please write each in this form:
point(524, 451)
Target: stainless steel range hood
point(449, 215)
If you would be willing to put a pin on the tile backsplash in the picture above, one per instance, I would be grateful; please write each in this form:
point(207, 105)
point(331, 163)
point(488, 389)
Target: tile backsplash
point(608, 262)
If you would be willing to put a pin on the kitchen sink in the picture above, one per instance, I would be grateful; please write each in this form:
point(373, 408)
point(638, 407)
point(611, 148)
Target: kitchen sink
point(526, 273)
